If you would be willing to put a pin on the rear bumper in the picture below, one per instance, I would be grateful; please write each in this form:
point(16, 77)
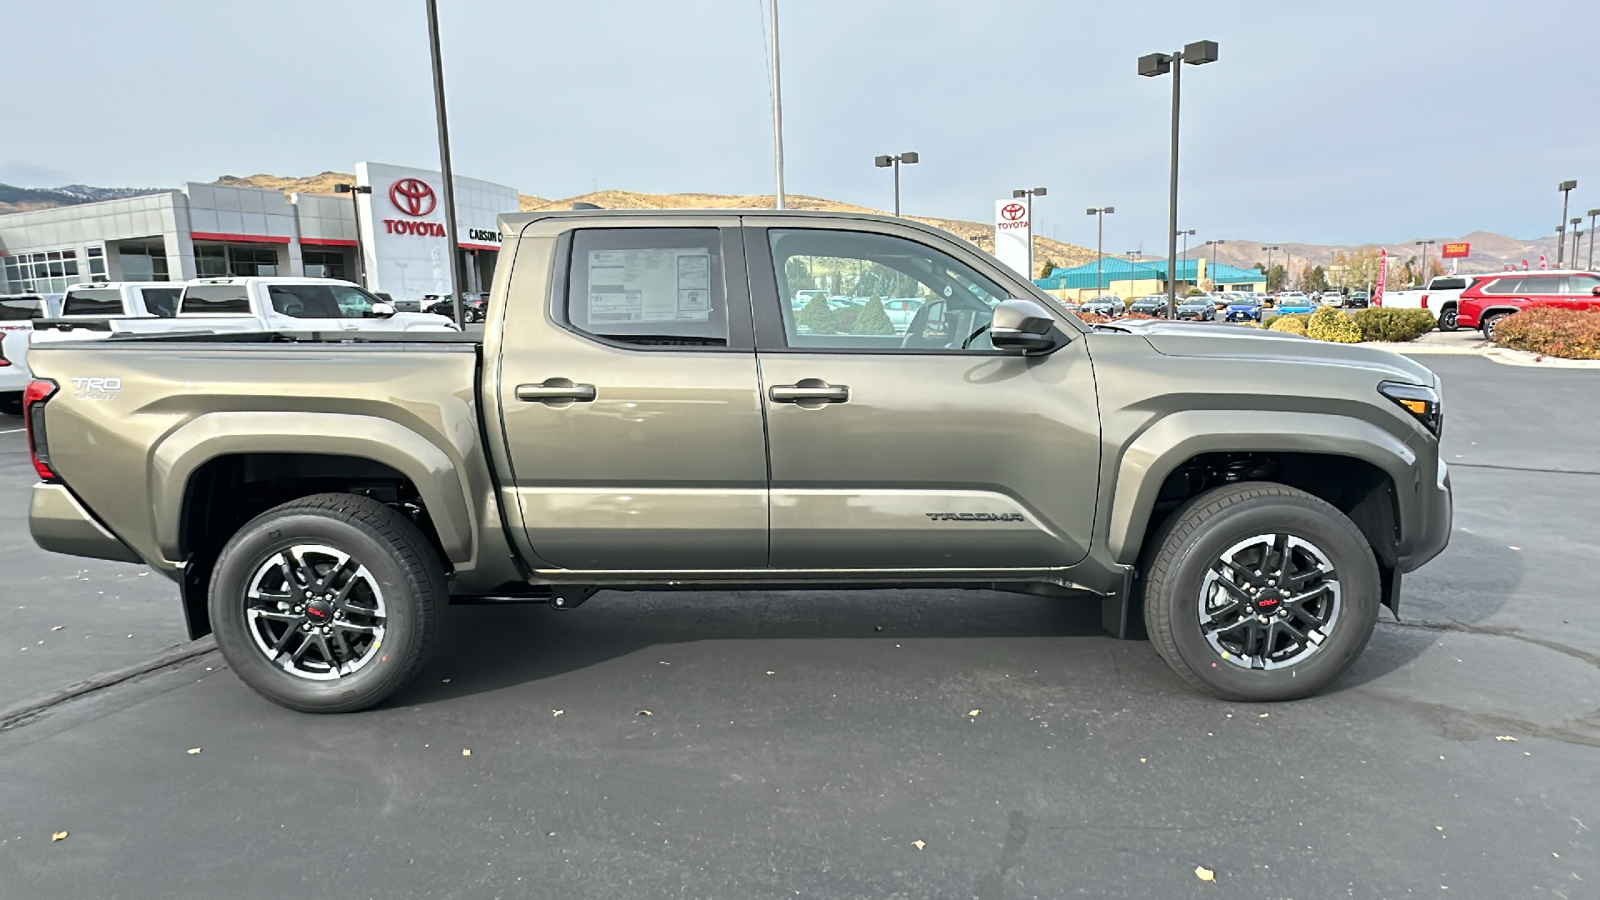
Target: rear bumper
point(60, 524)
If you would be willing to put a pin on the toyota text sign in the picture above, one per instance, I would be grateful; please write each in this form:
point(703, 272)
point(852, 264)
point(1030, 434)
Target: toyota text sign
point(1013, 235)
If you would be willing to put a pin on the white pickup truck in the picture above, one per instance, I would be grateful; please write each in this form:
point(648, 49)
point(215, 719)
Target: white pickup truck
point(218, 305)
point(18, 312)
point(1438, 296)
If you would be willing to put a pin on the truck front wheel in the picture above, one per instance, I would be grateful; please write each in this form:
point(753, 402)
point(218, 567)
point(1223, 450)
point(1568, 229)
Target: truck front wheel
point(326, 603)
point(1260, 592)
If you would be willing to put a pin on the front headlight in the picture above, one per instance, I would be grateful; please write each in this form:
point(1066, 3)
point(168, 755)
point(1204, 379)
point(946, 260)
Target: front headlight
point(1423, 403)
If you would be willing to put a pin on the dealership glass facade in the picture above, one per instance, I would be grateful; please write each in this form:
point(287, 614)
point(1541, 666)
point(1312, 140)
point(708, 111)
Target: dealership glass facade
point(44, 273)
point(323, 263)
point(143, 261)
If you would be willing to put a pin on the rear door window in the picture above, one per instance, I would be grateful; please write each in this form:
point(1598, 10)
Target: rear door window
point(656, 287)
point(93, 302)
point(216, 300)
point(1542, 284)
point(1448, 284)
point(1508, 285)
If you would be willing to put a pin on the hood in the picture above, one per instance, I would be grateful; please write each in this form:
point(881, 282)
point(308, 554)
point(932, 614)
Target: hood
point(1233, 342)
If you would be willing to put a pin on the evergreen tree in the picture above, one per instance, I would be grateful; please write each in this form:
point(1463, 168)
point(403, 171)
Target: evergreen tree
point(817, 316)
point(873, 319)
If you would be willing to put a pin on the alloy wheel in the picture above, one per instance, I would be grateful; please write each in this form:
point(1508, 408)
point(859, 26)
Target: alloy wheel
point(1269, 601)
point(315, 612)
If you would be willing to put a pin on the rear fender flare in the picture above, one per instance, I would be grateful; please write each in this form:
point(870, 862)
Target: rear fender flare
point(428, 467)
point(1167, 444)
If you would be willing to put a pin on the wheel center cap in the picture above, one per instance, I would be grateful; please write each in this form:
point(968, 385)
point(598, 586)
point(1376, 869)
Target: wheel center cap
point(1267, 604)
point(319, 611)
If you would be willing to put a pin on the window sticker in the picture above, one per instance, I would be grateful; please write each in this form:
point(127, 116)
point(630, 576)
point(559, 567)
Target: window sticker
point(651, 285)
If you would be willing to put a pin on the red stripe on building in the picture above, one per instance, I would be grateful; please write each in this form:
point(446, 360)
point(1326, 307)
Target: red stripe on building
point(470, 246)
point(238, 238)
point(327, 242)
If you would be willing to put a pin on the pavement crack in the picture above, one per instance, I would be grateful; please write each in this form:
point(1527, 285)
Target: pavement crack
point(992, 886)
point(31, 710)
point(1502, 631)
point(1462, 465)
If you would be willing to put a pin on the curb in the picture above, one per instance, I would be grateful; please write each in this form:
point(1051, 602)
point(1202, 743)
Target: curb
point(29, 710)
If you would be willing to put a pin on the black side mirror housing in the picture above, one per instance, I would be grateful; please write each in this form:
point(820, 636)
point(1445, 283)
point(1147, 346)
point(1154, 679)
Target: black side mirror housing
point(1024, 325)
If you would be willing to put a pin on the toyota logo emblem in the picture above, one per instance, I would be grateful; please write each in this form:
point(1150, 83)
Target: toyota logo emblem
point(412, 196)
point(1011, 212)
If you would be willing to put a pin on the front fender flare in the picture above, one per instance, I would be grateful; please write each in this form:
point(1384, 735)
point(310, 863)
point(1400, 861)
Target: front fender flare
point(428, 467)
point(1164, 446)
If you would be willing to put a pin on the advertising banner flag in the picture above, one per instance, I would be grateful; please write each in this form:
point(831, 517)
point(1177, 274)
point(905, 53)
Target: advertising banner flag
point(1542, 263)
point(1383, 276)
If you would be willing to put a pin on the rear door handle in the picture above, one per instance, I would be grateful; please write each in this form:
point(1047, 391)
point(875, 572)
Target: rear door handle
point(810, 391)
point(556, 390)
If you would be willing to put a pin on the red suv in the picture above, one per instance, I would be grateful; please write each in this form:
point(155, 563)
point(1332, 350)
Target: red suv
point(1490, 299)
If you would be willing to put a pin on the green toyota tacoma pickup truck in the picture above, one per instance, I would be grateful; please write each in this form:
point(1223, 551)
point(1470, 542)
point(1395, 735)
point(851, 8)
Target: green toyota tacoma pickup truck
point(705, 400)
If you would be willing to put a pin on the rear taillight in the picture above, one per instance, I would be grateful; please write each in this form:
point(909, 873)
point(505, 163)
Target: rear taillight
point(1424, 301)
point(33, 400)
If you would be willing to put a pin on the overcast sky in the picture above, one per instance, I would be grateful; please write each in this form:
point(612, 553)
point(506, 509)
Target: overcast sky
point(1337, 121)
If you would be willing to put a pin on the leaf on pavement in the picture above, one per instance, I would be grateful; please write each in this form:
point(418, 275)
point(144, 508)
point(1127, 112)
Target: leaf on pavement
point(193, 751)
point(1504, 737)
point(917, 844)
point(974, 713)
point(1204, 874)
point(59, 836)
point(557, 712)
point(644, 712)
point(465, 752)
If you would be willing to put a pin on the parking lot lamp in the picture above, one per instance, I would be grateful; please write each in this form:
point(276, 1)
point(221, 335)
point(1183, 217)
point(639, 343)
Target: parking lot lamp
point(1151, 65)
point(1566, 188)
point(1577, 238)
point(1213, 246)
point(1028, 194)
point(1099, 213)
point(445, 171)
point(885, 162)
point(1185, 235)
point(1592, 214)
point(1422, 274)
point(1268, 273)
point(361, 254)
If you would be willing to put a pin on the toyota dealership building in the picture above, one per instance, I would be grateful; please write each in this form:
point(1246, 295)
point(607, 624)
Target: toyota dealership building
point(212, 230)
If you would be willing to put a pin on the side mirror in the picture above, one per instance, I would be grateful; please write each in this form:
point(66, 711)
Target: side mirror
point(381, 310)
point(1024, 325)
point(1595, 291)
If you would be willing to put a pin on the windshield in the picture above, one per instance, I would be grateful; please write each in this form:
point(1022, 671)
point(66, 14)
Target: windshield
point(321, 301)
point(17, 309)
point(93, 302)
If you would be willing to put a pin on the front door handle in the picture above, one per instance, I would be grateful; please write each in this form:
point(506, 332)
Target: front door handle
point(810, 392)
point(556, 390)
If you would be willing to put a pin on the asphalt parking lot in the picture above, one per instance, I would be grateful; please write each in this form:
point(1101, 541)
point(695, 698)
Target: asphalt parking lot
point(794, 749)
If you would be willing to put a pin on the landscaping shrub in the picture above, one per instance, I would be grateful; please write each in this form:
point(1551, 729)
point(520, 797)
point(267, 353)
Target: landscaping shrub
point(1292, 323)
point(1569, 333)
point(872, 319)
point(1091, 318)
point(844, 318)
point(1331, 324)
point(817, 316)
point(1381, 324)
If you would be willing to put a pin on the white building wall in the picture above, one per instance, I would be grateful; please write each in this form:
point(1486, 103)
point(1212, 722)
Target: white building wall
point(405, 264)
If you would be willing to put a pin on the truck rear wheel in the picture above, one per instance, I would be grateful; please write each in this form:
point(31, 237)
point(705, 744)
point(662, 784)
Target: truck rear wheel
point(326, 603)
point(1447, 318)
point(1260, 592)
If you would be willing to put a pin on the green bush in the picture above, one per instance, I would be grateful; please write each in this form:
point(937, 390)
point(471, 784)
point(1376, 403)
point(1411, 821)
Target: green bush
point(872, 319)
point(1383, 324)
point(1331, 324)
point(817, 317)
point(1292, 323)
point(1568, 333)
point(844, 318)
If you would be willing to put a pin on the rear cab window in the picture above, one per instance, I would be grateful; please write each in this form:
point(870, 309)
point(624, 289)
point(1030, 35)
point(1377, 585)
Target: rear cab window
point(215, 300)
point(93, 302)
point(18, 309)
point(161, 302)
point(648, 287)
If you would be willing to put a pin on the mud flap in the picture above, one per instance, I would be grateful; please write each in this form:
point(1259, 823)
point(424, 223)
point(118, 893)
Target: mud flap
point(193, 587)
point(1390, 579)
point(1116, 610)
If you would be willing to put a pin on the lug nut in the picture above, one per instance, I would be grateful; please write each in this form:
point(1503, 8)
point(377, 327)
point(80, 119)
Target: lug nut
point(299, 609)
point(305, 626)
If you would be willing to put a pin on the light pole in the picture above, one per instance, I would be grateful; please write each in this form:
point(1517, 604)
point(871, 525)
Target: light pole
point(1592, 214)
point(1196, 54)
point(909, 158)
point(1268, 273)
point(1577, 238)
point(1133, 257)
point(355, 207)
point(777, 110)
point(1213, 246)
point(1422, 276)
point(1099, 213)
point(1030, 193)
point(1566, 188)
point(444, 161)
point(1186, 235)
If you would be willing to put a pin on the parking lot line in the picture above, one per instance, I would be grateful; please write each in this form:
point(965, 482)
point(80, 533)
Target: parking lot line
point(13, 430)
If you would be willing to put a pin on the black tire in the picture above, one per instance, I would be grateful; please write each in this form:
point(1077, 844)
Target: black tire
point(11, 404)
point(1447, 318)
point(398, 561)
point(1488, 323)
point(1183, 552)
